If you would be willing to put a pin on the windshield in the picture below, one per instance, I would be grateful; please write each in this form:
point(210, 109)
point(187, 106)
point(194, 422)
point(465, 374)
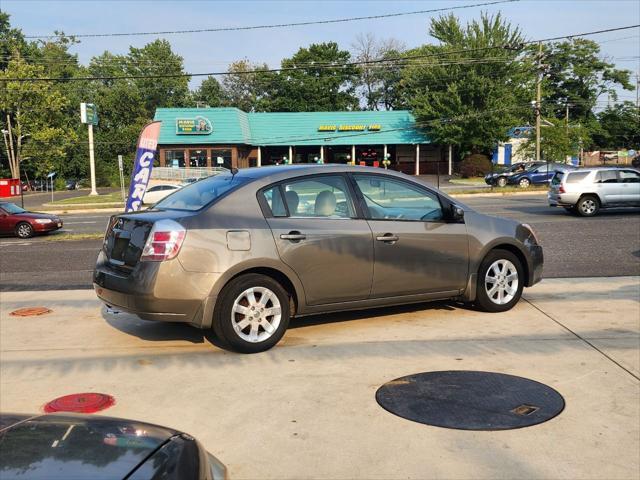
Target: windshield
point(12, 208)
point(200, 194)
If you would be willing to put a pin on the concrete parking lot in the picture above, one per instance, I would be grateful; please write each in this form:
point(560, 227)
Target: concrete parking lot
point(307, 408)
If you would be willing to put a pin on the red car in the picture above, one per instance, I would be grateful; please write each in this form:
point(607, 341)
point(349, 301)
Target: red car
point(17, 221)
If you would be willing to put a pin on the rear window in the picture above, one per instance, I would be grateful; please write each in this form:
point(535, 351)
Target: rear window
point(200, 194)
point(576, 177)
point(557, 178)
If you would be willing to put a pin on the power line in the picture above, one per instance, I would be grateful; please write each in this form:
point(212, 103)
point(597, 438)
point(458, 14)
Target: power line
point(277, 25)
point(518, 46)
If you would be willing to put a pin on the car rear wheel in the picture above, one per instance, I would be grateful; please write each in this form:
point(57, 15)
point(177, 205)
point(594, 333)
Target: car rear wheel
point(24, 230)
point(502, 182)
point(252, 313)
point(524, 183)
point(500, 281)
point(588, 206)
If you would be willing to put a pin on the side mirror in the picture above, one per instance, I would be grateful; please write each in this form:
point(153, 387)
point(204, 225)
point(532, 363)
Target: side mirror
point(457, 213)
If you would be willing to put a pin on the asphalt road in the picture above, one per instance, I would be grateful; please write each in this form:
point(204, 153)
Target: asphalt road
point(606, 245)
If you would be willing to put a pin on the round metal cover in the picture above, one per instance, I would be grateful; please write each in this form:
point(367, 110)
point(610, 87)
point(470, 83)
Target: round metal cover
point(80, 403)
point(30, 311)
point(469, 400)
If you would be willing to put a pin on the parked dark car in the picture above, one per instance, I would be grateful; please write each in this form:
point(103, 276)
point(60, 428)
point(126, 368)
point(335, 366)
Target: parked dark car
point(21, 223)
point(242, 252)
point(500, 177)
point(539, 175)
point(71, 184)
point(73, 446)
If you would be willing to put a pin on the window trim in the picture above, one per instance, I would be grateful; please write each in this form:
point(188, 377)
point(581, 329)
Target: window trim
point(420, 187)
point(266, 210)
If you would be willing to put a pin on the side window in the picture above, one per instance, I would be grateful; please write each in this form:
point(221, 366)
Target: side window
point(576, 177)
point(389, 199)
point(607, 176)
point(319, 196)
point(273, 198)
point(629, 176)
point(154, 189)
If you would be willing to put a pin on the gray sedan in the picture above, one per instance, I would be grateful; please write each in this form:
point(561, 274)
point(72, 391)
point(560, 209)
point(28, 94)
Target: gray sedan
point(244, 252)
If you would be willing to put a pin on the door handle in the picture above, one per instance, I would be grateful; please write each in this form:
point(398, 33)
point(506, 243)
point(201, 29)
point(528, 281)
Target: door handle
point(388, 238)
point(293, 236)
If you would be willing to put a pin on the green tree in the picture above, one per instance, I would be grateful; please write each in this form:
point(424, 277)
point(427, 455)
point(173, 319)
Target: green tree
point(317, 87)
point(245, 87)
point(619, 127)
point(468, 99)
point(209, 92)
point(558, 140)
point(576, 74)
point(378, 83)
point(157, 58)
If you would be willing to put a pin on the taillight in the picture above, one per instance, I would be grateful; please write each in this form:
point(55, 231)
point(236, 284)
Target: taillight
point(561, 189)
point(164, 241)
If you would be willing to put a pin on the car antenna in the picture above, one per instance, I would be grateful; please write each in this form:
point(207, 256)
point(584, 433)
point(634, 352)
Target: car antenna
point(234, 170)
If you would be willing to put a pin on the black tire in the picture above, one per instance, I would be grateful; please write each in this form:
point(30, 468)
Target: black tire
point(224, 317)
point(524, 183)
point(24, 230)
point(588, 206)
point(483, 300)
point(572, 209)
point(501, 182)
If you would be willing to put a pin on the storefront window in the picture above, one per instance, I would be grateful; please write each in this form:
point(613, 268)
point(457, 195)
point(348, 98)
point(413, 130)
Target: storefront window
point(197, 158)
point(174, 158)
point(221, 158)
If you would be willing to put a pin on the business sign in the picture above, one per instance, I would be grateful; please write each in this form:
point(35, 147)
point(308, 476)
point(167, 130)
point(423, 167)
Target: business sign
point(89, 113)
point(350, 128)
point(145, 155)
point(193, 126)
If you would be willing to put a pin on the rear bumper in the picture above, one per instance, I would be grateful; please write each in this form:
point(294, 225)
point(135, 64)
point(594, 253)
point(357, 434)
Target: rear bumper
point(161, 291)
point(562, 199)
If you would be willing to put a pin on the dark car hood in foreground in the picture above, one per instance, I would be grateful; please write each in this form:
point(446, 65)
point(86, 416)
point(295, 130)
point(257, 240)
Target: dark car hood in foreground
point(75, 446)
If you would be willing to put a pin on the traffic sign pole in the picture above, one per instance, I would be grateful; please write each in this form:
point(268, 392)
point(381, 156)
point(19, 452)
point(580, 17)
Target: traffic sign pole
point(92, 163)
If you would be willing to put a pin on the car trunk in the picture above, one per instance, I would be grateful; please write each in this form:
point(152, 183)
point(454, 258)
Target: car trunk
point(127, 234)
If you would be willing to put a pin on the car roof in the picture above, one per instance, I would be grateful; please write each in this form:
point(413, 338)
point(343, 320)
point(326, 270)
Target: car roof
point(282, 172)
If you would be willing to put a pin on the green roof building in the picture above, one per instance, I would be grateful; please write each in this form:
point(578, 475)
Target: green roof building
point(229, 137)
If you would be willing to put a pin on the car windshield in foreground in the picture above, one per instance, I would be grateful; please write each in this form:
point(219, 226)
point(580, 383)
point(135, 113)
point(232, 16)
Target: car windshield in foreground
point(12, 208)
point(200, 194)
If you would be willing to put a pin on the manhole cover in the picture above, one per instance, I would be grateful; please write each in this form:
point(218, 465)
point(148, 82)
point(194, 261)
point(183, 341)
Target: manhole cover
point(470, 400)
point(80, 403)
point(30, 311)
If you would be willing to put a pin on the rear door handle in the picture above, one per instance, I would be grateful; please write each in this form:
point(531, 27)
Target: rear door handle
point(293, 236)
point(388, 238)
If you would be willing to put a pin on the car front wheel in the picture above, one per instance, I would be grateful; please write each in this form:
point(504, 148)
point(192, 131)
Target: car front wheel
point(524, 183)
point(500, 281)
point(588, 206)
point(252, 313)
point(24, 230)
point(502, 182)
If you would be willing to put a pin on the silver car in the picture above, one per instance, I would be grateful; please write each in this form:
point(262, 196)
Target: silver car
point(244, 252)
point(586, 191)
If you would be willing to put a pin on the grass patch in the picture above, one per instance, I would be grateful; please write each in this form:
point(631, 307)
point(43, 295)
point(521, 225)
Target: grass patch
point(65, 236)
point(115, 197)
point(468, 181)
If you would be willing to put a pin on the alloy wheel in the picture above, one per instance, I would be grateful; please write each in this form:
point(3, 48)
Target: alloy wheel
point(502, 182)
point(588, 206)
point(24, 230)
point(501, 281)
point(256, 314)
point(524, 183)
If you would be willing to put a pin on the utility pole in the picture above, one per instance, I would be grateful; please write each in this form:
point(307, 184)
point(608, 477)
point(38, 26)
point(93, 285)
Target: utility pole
point(14, 160)
point(637, 90)
point(92, 162)
point(538, 101)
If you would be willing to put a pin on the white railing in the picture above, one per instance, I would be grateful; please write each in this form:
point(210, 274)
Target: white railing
point(172, 173)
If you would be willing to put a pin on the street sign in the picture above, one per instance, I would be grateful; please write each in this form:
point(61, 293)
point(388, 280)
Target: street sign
point(89, 113)
point(120, 162)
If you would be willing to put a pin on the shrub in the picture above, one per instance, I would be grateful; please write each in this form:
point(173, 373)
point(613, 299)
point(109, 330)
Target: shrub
point(475, 165)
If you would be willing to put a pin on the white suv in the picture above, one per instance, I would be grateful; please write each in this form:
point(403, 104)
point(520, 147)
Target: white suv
point(586, 191)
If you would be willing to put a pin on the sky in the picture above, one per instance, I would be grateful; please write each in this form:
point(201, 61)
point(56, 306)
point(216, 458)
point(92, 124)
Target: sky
point(213, 51)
